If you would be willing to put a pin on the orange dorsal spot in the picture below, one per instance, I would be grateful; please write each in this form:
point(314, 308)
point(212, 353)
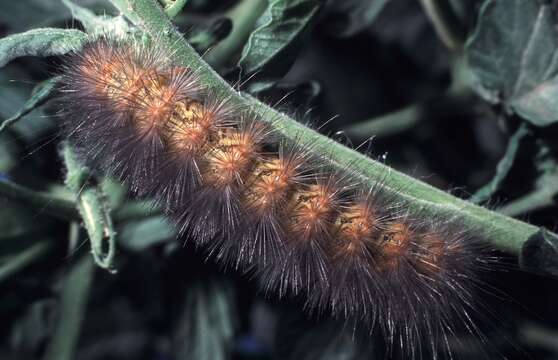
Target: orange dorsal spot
point(270, 185)
point(357, 226)
point(395, 243)
point(432, 250)
point(232, 158)
point(157, 105)
point(188, 131)
point(313, 212)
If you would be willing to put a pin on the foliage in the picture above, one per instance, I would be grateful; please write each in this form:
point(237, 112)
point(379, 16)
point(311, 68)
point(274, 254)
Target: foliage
point(480, 115)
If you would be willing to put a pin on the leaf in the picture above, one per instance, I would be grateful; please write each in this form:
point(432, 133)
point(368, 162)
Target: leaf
point(72, 308)
point(138, 235)
point(13, 95)
point(40, 42)
point(514, 55)
point(281, 27)
point(205, 326)
point(21, 15)
point(40, 94)
point(503, 168)
point(359, 15)
point(94, 24)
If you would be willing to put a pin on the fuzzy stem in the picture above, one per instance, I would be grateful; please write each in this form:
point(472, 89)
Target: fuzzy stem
point(502, 231)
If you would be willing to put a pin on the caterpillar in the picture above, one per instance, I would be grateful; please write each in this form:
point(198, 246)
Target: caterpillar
point(263, 204)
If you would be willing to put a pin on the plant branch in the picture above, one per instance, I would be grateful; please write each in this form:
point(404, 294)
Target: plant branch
point(446, 23)
point(405, 119)
point(244, 16)
point(535, 200)
point(52, 204)
point(503, 232)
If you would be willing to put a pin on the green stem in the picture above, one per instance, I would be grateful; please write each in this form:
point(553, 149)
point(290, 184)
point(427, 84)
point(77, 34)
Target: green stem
point(455, 101)
point(538, 199)
point(93, 208)
point(64, 207)
point(55, 205)
point(244, 16)
point(405, 119)
point(446, 23)
point(24, 258)
point(502, 231)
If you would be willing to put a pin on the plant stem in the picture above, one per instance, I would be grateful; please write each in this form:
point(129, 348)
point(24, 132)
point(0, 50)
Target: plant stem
point(93, 208)
point(23, 258)
point(55, 205)
point(244, 16)
point(405, 119)
point(502, 231)
point(535, 200)
point(446, 23)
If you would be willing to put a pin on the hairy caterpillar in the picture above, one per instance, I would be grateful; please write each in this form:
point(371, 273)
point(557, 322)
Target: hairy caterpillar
point(258, 202)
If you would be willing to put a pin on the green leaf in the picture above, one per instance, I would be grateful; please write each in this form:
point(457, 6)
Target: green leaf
point(359, 16)
point(40, 94)
point(14, 95)
point(18, 16)
point(72, 308)
point(280, 30)
point(503, 168)
point(205, 326)
point(138, 235)
point(94, 24)
point(40, 42)
point(514, 55)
